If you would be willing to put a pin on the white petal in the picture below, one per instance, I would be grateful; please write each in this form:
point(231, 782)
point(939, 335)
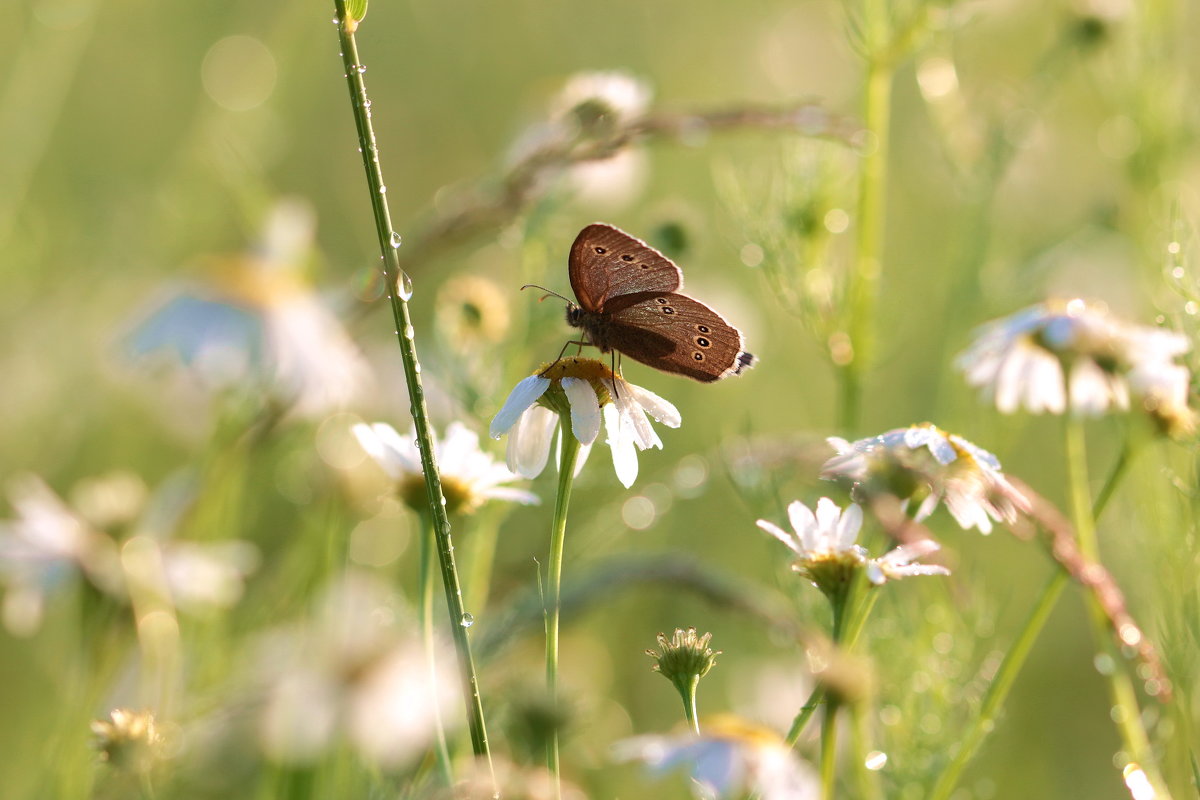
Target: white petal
point(1045, 388)
point(458, 449)
point(827, 522)
point(635, 418)
point(1089, 389)
point(839, 445)
point(804, 523)
point(848, 525)
point(780, 534)
point(523, 395)
point(512, 495)
point(620, 440)
point(585, 409)
point(529, 441)
point(658, 408)
point(386, 457)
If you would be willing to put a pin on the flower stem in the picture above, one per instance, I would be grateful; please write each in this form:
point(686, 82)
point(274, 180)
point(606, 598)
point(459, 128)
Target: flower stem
point(558, 530)
point(863, 284)
point(688, 693)
point(829, 749)
point(425, 609)
point(399, 290)
point(1126, 714)
point(983, 722)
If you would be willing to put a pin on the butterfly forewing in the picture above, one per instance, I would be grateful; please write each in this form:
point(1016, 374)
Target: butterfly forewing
point(674, 333)
point(606, 263)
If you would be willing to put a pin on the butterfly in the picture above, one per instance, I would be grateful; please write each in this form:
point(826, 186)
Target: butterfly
point(629, 301)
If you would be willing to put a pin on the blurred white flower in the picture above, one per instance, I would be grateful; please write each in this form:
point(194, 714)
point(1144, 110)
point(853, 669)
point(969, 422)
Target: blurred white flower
point(613, 93)
point(49, 542)
point(827, 553)
point(925, 463)
point(43, 547)
point(590, 393)
point(470, 477)
point(355, 670)
point(260, 319)
point(730, 759)
point(1059, 355)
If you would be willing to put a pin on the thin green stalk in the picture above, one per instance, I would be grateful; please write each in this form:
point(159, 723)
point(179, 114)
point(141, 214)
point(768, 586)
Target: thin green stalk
point(806, 712)
point(863, 286)
point(425, 609)
point(558, 530)
point(829, 749)
point(689, 705)
point(399, 290)
point(983, 722)
point(1128, 717)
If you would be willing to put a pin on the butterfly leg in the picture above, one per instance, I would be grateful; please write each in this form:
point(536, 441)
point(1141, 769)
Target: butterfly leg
point(558, 358)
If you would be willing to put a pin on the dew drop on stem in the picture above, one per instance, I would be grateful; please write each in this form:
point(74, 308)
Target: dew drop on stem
point(396, 241)
point(467, 620)
point(404, 286)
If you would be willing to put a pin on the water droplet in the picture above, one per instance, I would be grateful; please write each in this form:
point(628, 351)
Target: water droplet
point(417, 368)
point(382, 189)
point(366, 102)
point(404, 286)
point(467, 620)
point(360, 68)
point(408, 331)
point(396, 240)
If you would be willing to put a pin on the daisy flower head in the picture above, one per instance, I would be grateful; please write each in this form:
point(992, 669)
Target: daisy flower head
point(583, 393)
point(1060, 355)
point(470, 477)
point(732, 758)
point(828, 555)
point(925, 464)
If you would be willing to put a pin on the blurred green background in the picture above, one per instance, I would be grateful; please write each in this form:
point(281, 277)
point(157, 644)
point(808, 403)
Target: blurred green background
point(1037, 149)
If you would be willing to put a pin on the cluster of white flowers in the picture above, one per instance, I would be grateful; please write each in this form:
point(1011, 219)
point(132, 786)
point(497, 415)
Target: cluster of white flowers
point(591, 393)
point(1059, 355)
point(49, 542)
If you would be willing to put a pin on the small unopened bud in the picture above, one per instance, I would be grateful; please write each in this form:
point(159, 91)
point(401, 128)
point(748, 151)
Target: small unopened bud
point(684, 658)
point(128, 740)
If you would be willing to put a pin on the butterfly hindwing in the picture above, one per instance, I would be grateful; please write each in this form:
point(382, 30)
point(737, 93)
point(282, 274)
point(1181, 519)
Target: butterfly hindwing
point(606, 262)
point(674, 333)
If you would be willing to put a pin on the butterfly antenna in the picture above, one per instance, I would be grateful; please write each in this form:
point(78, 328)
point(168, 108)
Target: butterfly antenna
point(548, 292)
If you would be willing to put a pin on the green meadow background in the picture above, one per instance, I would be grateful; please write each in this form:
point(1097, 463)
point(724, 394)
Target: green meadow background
point(139, 144)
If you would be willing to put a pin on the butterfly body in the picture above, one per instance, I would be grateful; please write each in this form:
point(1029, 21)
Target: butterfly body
point(629, 301)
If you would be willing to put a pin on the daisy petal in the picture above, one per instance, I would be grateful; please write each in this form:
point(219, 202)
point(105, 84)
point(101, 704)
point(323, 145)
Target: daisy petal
point(585, 409)
point(529, 441)
point(523, 395)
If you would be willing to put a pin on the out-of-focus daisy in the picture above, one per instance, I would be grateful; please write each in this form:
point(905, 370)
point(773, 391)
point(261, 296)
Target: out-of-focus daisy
point(471, 312)
point(49, 542)
point(260, 319)
point(587, 392)
point(926, 464)
point(44, 546)
point(354, 672)
point(470, 477)
point(1163, 389)
point(732, 758)
point(587, 112)
point(1059, 355)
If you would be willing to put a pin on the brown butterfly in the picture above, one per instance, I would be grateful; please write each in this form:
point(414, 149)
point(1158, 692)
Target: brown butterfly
point(629, 301)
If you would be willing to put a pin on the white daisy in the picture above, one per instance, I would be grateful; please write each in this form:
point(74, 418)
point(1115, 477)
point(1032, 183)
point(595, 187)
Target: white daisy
point(353, 672)
point(470, 477)
point(925, 463)
point(589, 393)
point(828, 555)
point(732, 758)
point(1059, 355)
point(258, 320)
